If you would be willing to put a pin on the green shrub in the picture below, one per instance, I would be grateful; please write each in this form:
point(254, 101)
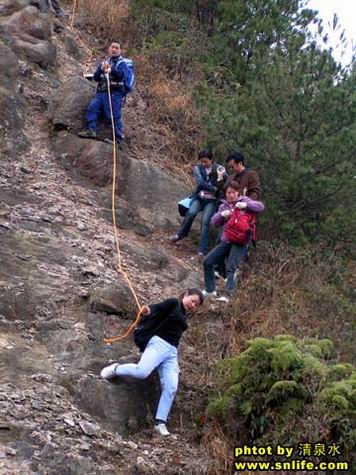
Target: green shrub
point(275, 382)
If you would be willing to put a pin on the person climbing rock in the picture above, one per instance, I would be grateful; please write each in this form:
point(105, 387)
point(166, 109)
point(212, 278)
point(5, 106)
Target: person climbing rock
point(119, 71)
point(209, 180)
point(228, 250)
point(247, 179)
point(161, 350)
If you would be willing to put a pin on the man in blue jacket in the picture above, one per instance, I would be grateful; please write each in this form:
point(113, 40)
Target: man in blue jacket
point(116, 69)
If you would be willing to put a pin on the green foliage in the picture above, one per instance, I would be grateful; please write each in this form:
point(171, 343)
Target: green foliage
point(274, 382)
point(325, 346)
point(286, 357)
point(263, 86)
point(341, 371)
point(340, 396)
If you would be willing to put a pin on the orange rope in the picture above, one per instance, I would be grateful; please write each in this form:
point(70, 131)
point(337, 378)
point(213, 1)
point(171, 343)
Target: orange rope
point(119, 267)
point(74, 10)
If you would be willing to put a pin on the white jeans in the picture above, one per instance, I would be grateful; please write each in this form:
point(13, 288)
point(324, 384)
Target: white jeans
point(163, 356)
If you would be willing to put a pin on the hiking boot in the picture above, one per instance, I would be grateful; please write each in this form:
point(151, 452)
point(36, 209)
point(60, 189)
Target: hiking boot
point(109, 372)
point(87, 134)
point(175, 238)
point(207, 294)
point(161, 428)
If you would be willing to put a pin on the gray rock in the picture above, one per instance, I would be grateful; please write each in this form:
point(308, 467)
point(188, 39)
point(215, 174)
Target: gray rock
point(8, 7)
point(68, 463)
point(152, 193)
point(67, 105)
point(15, 305)
point(144, 467)
point(9, 66)
point(29, 22)
point(28, 34)
point(10, 451)
point(10, 119)
point(39, 52)
point(72, 47)
point(88, 428)
point(115, 299)
point(114, 403)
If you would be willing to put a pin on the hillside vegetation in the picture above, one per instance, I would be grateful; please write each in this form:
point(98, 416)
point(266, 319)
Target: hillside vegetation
point(249, 75)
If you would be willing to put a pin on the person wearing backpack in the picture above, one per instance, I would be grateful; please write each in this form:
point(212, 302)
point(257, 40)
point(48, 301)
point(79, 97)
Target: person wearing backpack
point(209, 179)
point(119, 71)
point(237, 216)
point(160, 350)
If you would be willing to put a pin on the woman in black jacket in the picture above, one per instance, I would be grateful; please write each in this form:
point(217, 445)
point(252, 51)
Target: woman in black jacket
point(161, 350)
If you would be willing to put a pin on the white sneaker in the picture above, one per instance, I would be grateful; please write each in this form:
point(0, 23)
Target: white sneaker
point(161, 428)
point(222, 298)
point(207, 294)
point(109, 372)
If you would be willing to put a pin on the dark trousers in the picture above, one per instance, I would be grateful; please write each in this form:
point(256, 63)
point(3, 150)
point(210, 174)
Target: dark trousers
point(208, 208)
point(99, 103)
point(216, 257)
point(55, 5)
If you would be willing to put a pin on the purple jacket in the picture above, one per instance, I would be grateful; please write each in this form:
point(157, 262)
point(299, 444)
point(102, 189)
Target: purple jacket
point(253, 206)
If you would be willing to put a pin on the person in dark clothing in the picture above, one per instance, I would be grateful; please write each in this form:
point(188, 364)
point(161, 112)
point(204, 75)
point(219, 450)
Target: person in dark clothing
point(121, 81)
point(248, 180)
point(161, 351)
point(56, 7)
point(209, 179)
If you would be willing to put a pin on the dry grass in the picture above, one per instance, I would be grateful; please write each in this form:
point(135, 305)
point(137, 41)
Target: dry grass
point(106, 17)
point(170, 105)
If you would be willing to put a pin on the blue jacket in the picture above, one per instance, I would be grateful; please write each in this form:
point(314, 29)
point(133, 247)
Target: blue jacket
point(119, 73)
point(205, 182)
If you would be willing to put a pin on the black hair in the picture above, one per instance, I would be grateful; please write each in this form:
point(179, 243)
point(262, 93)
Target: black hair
point(237, 157)
point(230, 184)
point(193, 291)
point(205, 153)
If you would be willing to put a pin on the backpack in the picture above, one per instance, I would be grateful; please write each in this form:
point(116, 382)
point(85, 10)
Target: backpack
point(146, 328)
point(240, 227)
point(131, 79)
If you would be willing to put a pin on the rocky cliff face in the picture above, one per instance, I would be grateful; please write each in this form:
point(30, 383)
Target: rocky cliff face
point(60, 294)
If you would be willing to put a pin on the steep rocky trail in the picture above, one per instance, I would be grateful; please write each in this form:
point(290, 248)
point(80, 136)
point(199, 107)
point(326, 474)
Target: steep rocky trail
point(60, 295)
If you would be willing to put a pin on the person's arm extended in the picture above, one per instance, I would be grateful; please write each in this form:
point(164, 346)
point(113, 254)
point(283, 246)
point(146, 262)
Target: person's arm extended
point(200, 183)
point(252, 206)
